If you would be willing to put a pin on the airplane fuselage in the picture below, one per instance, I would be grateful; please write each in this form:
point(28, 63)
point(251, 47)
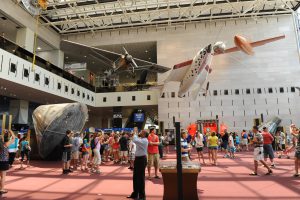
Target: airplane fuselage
point(198, 70)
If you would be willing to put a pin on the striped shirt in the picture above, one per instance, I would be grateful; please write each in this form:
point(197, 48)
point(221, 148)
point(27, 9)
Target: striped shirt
point(184, 145)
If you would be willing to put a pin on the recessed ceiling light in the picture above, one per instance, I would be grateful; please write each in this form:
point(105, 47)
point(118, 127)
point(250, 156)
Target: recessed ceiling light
point(85, 56)
point(146, 51)
point(67, 57)
point(39, 48)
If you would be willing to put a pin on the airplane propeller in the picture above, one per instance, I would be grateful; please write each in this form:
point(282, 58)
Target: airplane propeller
point(130, 59)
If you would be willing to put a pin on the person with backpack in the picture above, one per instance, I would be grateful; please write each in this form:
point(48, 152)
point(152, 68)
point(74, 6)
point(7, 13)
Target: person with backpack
point(25, 151)
point(85, 149)
point(95, 146)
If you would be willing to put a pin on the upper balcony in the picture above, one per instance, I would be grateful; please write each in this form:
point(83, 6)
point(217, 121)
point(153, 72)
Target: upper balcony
point(18, 77)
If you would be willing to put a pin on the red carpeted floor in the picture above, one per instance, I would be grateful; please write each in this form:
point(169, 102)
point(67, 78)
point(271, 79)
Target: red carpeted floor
point(228, 180)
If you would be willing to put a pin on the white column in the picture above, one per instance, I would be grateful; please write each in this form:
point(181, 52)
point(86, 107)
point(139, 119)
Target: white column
point(56, 57)
point(25, 39)
point(19, 110)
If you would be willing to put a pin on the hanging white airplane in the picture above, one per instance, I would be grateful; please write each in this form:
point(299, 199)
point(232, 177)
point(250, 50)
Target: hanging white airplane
point(192, 74)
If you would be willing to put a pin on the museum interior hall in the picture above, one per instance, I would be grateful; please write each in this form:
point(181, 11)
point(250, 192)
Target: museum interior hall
point(149, 99)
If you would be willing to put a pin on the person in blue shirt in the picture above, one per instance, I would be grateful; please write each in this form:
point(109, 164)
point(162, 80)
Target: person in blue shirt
point(237, 142)
point(185, 147)
point(12, 149)
point(140, 163)
point(25, 151)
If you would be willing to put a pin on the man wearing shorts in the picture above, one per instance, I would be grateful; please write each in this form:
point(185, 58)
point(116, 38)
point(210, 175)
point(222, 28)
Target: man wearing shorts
point(225, 138)
point(245, 139)
point(199, 146)
point(75, 150)
point(268, 149)
point(153, 153)
point(258, 154)
point(66, 157)
point(97, 156)
point(123, 148)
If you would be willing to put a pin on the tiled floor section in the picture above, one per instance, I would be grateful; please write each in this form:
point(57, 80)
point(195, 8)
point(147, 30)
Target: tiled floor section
point(229, 180)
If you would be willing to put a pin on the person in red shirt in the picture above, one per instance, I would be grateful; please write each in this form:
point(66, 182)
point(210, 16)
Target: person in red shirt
point(268, 149)
point(153, 153)
point(116, 147)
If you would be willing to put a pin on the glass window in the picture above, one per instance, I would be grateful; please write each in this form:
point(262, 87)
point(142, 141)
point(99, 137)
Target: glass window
point(281, 90)
point(248, 91)
point(37, 77)
point(270, 90)
point(258, 90)
point(26, 73)
point(292, 89)
point(46, 81)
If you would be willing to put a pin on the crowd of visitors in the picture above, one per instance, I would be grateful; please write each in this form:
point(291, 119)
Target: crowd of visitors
point(139, 150)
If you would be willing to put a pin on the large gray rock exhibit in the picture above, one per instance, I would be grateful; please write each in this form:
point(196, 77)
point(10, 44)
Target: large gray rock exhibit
point(52, 121)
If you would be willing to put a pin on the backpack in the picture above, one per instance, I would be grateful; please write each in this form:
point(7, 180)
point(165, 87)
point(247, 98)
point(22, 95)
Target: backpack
point(245, 136)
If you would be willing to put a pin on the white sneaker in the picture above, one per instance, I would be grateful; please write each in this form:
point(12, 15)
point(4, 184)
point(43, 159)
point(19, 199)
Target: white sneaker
point(273, 165)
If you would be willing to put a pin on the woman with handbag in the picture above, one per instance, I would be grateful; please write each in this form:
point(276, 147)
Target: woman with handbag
point(7, 139)
point(25, 151)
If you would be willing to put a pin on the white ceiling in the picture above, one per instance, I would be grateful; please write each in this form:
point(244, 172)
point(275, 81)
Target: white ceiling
point(75, 16)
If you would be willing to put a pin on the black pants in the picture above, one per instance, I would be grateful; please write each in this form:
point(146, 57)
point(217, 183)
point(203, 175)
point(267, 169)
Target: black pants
point(140, 164)
point(11, 158)
point(161, 151)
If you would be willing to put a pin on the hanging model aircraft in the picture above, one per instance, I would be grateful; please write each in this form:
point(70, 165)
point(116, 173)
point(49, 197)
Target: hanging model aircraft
point(192, 74)
point(116, 63)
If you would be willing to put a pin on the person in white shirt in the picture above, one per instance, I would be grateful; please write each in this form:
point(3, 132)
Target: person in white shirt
point(131, 156)
point(231, 146)
point(199, 146)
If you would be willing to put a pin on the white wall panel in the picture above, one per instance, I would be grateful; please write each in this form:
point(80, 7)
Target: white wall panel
point(239, 71)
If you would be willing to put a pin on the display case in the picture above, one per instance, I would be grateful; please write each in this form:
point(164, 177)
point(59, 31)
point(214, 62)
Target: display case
point(190, 172)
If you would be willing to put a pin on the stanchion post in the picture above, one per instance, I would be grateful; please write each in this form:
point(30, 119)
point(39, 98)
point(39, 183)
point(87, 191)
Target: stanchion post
point(179, 163)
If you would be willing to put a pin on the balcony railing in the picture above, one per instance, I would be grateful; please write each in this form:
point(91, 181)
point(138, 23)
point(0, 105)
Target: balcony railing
point(15, 49)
